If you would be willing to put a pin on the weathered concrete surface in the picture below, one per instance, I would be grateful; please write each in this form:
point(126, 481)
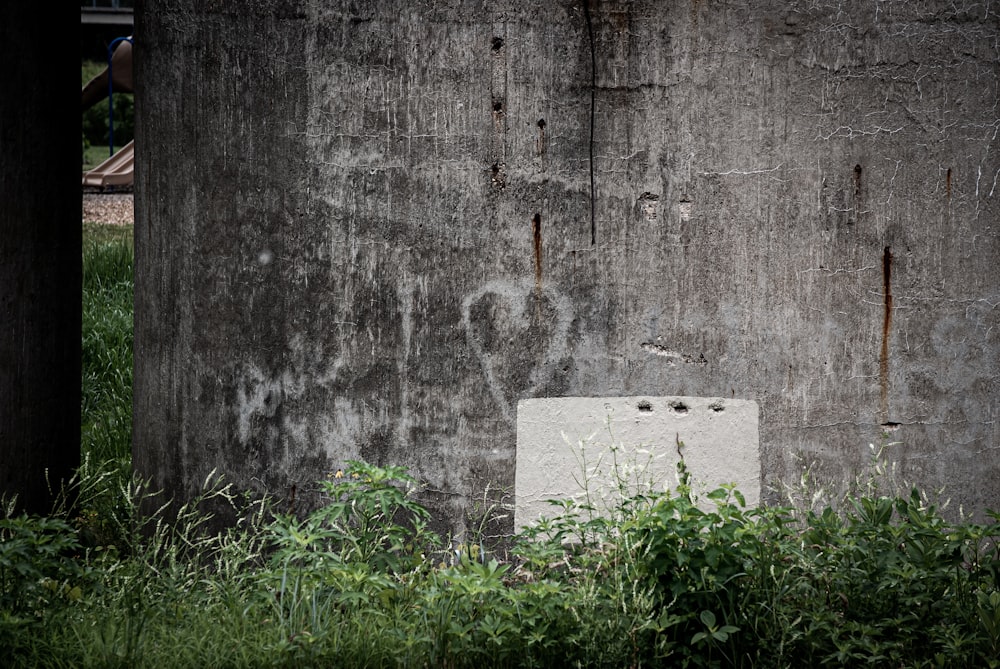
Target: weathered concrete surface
point(365, 230)
point(595, 450)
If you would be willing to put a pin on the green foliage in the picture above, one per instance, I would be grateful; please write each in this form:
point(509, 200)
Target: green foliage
point(35, 563)
point(40, 576)
point(885, 581)
point(95, 120)
point(675, 580)
point(369, 517)
point(889, 582)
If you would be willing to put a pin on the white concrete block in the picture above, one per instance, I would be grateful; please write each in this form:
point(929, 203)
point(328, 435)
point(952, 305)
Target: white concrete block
point(564, 441)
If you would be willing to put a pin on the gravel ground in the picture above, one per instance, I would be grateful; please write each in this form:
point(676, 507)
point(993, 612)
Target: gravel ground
point(114, 208)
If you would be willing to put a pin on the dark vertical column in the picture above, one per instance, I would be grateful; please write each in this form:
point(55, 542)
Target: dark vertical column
point(40, 252)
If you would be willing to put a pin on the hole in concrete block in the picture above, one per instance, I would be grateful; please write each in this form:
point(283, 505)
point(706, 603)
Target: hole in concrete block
point(645, 405)
point(497, 43)
point(679, 407)
point(717, 407)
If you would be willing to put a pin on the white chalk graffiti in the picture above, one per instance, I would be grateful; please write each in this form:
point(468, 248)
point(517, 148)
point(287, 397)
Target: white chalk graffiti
point(515, 296)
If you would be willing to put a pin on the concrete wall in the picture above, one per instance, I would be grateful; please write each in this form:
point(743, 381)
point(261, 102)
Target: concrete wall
point(369, 229)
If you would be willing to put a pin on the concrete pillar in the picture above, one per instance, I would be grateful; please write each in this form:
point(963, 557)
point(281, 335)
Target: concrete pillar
point(368, 230)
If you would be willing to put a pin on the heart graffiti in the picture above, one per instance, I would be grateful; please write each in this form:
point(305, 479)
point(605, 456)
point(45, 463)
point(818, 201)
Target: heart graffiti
point(518, 331)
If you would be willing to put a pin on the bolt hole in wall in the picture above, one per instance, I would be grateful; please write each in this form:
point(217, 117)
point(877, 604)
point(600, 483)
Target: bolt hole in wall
point(646, 406)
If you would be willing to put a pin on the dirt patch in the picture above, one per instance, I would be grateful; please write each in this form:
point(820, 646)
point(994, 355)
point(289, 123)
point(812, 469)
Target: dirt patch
point(113, 208)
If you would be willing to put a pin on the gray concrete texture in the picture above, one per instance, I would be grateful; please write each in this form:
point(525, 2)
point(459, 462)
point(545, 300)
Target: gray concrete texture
point(367, 230)
point(598, 452)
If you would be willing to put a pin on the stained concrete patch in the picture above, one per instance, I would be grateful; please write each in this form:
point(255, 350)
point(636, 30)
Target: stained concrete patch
point(567, 443)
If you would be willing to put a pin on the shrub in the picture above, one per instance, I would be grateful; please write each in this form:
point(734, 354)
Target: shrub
point(40, 573)
point(708, 582)
point(669, 579)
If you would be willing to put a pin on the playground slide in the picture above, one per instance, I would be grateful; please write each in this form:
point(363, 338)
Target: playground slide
point(115, 171)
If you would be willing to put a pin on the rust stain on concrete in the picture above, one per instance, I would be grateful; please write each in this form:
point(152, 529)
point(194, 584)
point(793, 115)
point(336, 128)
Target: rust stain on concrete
point(536, 233)
point(883, 365)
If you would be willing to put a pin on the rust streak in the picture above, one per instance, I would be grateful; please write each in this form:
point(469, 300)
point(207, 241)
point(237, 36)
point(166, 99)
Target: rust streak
point(886, 327)
point(536, 232)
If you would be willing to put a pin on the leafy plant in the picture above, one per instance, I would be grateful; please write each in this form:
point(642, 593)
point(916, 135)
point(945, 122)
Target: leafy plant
point(37, 567)
point(39, 576)
point(368, 516)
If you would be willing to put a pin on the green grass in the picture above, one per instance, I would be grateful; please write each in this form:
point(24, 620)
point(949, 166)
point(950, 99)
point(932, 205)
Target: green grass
point(98, 234)
point(662, 579)
point(106, 379)
point(107, 343)
point(94, 156)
